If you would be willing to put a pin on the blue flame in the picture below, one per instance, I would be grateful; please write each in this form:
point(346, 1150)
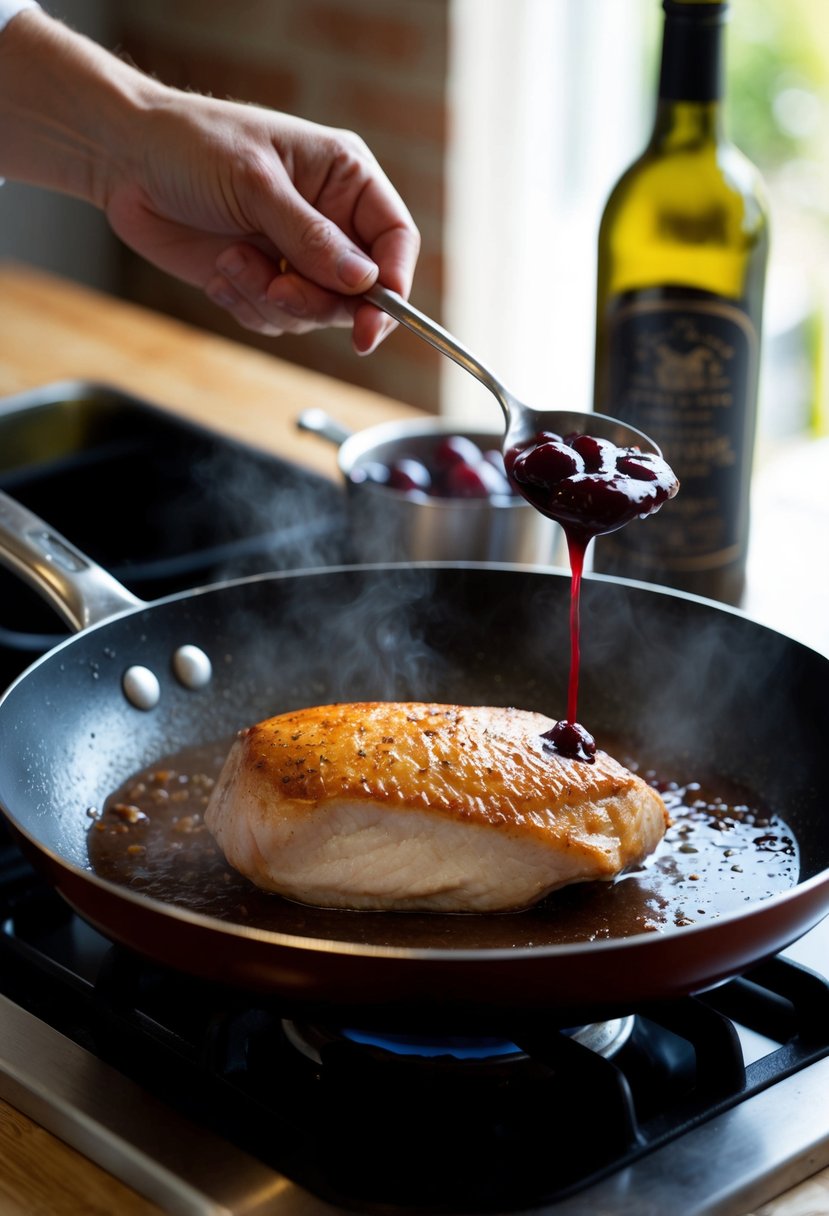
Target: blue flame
point(462, 1047)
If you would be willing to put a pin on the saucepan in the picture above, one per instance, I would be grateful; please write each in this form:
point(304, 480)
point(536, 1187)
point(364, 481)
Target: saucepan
point(388, 524)
point(689, 682)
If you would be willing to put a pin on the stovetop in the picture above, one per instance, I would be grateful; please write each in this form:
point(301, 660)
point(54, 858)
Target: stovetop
point(207, 1099)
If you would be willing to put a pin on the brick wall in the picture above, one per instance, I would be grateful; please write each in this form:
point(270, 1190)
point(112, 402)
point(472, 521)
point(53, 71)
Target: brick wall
point(376, 66)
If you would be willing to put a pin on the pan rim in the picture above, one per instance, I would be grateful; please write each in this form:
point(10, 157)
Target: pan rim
point(538, 568)
point(546, 571)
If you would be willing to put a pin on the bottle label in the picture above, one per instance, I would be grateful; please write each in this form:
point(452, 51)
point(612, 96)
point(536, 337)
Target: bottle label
point(682, 367)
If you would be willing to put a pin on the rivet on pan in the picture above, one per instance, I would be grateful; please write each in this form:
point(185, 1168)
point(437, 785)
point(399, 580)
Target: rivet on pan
point(192, 667)
point(141, 687)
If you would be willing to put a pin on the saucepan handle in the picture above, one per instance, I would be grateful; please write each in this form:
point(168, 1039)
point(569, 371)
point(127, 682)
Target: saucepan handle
point(319, 423)
point(80, 590)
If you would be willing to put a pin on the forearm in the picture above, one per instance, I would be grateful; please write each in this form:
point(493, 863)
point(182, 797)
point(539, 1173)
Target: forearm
point(186, 181)
point(68, 109)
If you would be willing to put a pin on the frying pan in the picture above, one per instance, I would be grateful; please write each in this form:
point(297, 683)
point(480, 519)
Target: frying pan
point(689, 680)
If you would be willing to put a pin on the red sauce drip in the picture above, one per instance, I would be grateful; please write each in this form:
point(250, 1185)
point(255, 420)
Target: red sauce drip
point(590, 486)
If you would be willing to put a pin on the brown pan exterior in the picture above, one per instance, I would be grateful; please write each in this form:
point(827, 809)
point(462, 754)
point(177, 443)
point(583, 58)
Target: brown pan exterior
point(569, 985)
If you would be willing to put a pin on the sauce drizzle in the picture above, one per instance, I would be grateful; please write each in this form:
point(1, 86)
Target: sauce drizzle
point(589, 486)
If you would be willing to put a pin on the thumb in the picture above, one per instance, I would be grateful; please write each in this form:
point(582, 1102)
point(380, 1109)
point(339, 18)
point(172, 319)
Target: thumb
point(320, 251)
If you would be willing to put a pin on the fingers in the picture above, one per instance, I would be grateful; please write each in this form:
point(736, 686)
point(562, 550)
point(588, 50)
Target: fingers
point(262, 297)
point(388, 231)
point(329, 210)
point(270, 298)
point(236, 288)
point(370, 328)
point(396, 251)
point(318, 248)
point(339, 221)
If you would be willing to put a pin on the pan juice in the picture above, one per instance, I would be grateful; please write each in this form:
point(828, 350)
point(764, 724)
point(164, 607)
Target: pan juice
point(724, 851)
point(591, 487)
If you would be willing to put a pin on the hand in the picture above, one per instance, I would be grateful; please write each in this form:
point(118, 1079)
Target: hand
point(282, 222)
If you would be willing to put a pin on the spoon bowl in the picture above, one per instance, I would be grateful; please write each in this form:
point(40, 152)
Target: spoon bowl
point(522, 422)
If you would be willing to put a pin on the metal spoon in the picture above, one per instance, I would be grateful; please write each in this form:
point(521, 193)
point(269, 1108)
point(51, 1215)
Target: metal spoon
point(523, 423)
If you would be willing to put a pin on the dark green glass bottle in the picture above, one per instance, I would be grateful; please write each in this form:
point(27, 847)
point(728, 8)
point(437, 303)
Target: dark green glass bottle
point(683, 247)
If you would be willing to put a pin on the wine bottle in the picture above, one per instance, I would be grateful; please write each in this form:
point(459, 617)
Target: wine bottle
point(683, 246)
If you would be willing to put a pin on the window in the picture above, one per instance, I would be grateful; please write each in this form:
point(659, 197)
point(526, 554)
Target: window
point(551, 99)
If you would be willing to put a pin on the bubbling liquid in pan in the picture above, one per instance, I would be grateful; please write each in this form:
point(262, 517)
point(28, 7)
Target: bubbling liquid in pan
point(724, 852)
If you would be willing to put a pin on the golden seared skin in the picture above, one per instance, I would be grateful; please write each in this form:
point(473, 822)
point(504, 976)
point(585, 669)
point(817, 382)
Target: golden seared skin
point(422, 806)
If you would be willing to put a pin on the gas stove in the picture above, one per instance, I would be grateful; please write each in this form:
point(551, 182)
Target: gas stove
point(211, 1100)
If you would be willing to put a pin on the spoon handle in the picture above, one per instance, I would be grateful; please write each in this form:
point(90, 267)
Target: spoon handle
point(430, 331)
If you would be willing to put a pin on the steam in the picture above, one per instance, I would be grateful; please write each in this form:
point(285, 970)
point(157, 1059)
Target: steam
point(357, 637)
point(273, 519)
point(683, 679)
point(689, 681)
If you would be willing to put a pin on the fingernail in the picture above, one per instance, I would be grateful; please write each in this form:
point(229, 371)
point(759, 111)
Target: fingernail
point(230, 262)
point(354, 268)
point(221, 293)
point(372, 346)
point(288, 297)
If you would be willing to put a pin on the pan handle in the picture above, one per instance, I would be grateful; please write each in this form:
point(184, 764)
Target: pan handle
point(80, 590)
point(319, 423)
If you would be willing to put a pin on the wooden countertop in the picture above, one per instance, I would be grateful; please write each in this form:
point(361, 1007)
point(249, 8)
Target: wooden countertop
point(51, 330)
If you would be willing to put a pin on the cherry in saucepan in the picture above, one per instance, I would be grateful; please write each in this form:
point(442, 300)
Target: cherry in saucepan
point(455, 468)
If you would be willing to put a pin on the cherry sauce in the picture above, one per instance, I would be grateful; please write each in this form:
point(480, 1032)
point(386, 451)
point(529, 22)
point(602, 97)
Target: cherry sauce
point(590, 486)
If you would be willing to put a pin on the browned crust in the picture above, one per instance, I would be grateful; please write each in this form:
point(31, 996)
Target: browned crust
point(483, 765)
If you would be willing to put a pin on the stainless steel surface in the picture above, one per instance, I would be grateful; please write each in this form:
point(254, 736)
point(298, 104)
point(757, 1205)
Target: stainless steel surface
point(319, 423)
point(183, 1168)
point(605, 1038)
point(80, 590)
point(729, 1165)
point(522, 421)
point(388, 525)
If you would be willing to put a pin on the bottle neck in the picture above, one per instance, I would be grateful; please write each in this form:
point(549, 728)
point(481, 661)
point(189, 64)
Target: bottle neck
point(691, 71)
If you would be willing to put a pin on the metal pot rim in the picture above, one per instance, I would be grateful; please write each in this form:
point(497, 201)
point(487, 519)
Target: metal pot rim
point(362, 443)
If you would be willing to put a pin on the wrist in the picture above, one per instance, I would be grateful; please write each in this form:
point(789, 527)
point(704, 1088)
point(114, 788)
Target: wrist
point(68, 109)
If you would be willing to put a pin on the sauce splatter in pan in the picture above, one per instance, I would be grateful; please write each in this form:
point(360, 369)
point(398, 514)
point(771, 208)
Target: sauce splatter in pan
point(724, 852)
